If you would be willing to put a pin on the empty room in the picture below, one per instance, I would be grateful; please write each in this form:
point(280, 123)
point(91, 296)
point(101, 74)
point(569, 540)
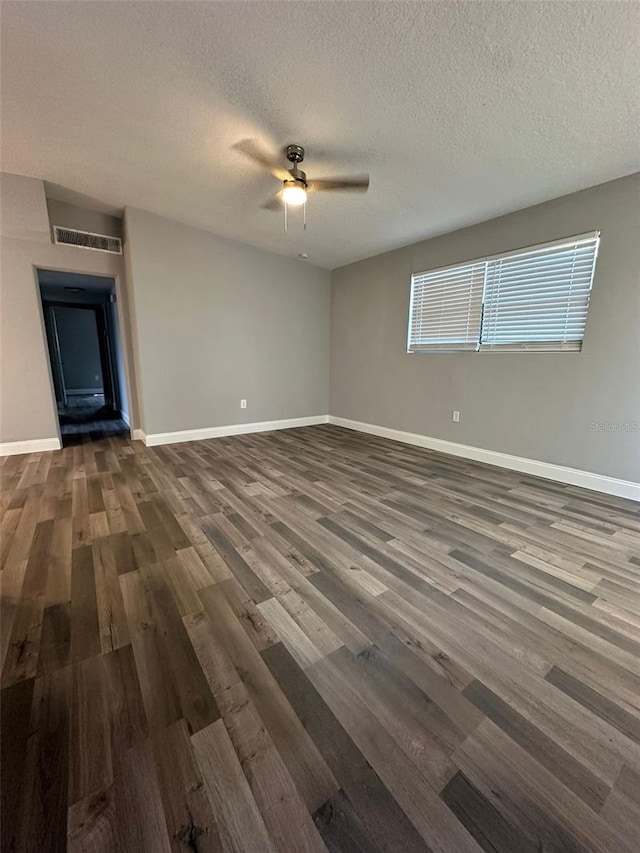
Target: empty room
point(320, 426)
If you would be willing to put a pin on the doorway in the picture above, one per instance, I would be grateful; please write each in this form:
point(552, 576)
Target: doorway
point(85, 352)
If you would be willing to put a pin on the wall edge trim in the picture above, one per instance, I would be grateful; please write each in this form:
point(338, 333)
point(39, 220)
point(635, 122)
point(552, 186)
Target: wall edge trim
point(35, 445)
point(158, 438)
point(547, 470)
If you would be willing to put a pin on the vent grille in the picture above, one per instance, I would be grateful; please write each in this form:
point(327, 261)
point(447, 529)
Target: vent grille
point(87, 240)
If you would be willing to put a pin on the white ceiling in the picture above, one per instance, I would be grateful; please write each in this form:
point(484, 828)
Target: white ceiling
point(459, 111)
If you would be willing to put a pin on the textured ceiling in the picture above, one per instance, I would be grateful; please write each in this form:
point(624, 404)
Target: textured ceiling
point(459, 111)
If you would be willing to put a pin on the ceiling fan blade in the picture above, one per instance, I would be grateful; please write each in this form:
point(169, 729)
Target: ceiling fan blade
point(273, 204)
point(358, 184)
point(250, 148)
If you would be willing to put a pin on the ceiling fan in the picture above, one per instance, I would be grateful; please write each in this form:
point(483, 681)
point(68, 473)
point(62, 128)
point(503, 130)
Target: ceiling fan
point(295, 184)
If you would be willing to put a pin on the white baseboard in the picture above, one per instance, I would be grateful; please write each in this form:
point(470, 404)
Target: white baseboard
point(559, 473)
point(571, 476)
point(157, 438)
point(36, 445)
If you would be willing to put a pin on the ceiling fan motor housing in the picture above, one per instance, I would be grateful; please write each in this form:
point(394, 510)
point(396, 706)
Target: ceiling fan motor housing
point(297, 177)
point(295, 153)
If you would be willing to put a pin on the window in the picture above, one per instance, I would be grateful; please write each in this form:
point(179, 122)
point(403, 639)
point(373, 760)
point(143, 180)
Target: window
point(446, 308)
point(532, 299)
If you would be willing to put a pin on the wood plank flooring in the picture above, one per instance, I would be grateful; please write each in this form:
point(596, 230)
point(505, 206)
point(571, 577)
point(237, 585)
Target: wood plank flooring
point(314, 640)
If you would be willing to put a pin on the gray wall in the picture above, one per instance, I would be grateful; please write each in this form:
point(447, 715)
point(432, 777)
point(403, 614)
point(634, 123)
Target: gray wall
point(209, 321)
point(70, 216)
point(537, 405)
point(27, 402)
point(218, 321)
point(79, 350)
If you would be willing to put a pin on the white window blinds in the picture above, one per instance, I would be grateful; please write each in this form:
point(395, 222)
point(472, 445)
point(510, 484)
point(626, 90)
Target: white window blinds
point(532, 299)
point(538, 298)
point(446, 307)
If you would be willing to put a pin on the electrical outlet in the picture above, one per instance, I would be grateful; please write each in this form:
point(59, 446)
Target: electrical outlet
point(455, 417)
point(243, 404)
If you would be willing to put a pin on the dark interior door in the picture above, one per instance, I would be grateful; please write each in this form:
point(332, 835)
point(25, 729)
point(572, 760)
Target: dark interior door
point(78, 340)
point(79, 347)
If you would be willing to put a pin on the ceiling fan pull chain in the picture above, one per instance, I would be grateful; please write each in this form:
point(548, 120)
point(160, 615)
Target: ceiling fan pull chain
point(285, 219)
point(304, 216)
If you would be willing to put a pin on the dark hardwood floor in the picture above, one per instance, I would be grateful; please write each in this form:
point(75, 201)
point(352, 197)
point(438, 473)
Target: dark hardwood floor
point(314, 639)
point(87, 416)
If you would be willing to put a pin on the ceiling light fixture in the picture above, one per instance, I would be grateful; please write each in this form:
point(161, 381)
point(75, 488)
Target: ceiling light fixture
point(294, 193)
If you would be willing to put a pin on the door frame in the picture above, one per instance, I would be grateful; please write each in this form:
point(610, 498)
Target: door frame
point(125, 337)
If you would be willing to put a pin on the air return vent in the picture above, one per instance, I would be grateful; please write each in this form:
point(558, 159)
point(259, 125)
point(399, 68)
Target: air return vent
point(87, 240)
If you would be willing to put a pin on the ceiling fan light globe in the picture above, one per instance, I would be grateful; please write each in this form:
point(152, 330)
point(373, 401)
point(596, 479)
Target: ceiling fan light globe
point(294, 194)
